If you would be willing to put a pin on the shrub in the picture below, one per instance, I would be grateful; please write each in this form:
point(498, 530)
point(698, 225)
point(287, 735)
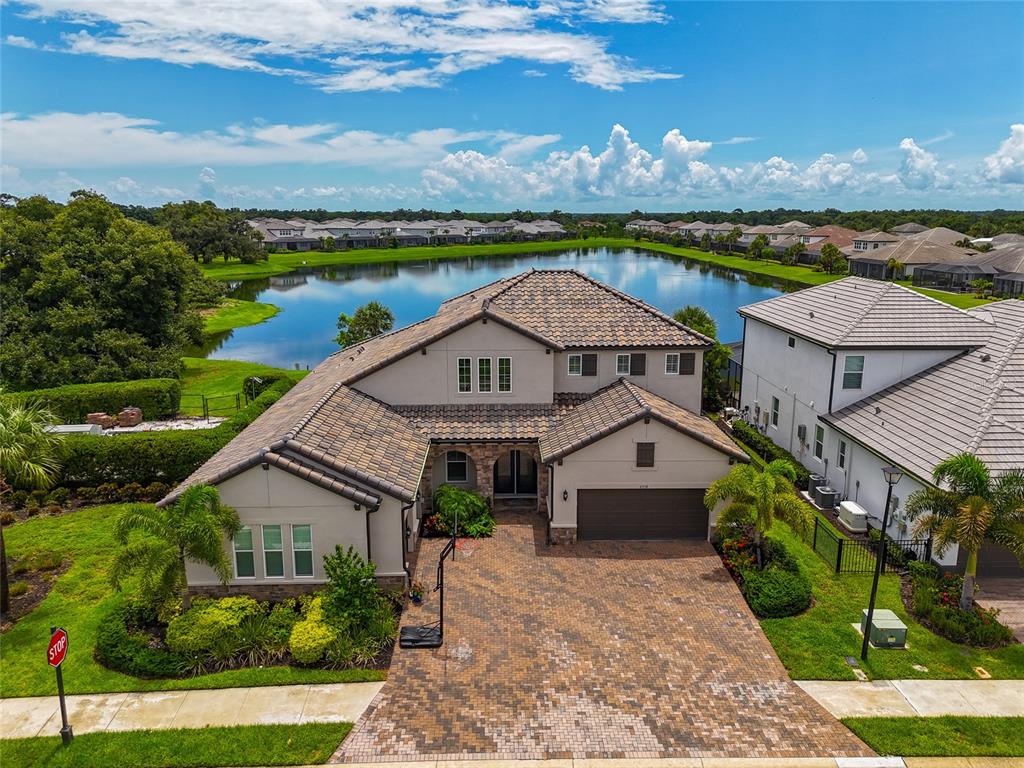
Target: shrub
point(17, 499)
point(45, 561)
point(351, 595)
point(254, 386)
point(474, 515)
point(131, 652)
point(158, 398)
point(38, 497)
point(32, 509)
point(154, 457)
point(58, 496)
point(210, 627)
point(765, 448)
point(919, 570)
point(54, 509)
point(18, 588)
point(7, 518)
point(311, 637)
point(775, 592)
point(155, 491)
point(85, 493)
point(936, 600)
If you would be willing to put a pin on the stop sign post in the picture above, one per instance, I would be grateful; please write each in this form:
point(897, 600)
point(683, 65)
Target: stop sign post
point(55, 655)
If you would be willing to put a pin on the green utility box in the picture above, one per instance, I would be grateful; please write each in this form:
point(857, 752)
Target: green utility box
point(887, 631)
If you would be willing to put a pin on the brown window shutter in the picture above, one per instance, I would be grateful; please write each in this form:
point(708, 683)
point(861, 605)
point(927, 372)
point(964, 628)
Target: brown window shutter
point(645, 454)
point(687, 363)
point(637, 364)
point(589, 364)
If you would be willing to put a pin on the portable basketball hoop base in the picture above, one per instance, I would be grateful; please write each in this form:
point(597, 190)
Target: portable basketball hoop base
point(430, 635)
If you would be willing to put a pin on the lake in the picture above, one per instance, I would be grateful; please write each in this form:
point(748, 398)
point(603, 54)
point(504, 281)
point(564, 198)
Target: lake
point(310, 299)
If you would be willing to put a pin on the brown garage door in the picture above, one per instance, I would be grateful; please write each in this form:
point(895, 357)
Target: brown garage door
point(994, 562)
point(642, 513)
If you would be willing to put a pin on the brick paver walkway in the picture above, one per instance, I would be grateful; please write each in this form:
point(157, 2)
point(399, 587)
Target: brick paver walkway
point(592, 650)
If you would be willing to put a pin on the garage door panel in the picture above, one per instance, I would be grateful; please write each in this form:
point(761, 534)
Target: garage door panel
point(641, 513)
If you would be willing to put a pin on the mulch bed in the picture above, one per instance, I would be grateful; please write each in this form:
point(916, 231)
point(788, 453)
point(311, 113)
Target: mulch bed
point(39, 585)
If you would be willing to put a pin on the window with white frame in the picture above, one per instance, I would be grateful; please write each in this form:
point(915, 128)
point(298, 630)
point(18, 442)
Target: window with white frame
point(302, 550)
point(775, 412)
point(841, 455)
point(245, 563)
point(622, 365)
point(819, 441)
point(672, 363)
point(456, 467)
point(504, 374)
point(465, 374)
point(273, 552)
point(483, 374)
point(575, 365)
point(853, 372)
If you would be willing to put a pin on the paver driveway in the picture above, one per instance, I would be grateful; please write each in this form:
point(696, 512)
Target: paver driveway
point(603, 649)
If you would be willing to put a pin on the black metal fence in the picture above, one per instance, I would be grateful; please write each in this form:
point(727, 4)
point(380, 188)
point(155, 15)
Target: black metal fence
point(218, 405)
point(858, 555)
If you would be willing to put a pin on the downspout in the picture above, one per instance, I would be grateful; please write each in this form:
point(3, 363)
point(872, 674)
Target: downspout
point(743, 348)
point(832, 380)
point(551, 500)
point(405, 539)
point(369, 547)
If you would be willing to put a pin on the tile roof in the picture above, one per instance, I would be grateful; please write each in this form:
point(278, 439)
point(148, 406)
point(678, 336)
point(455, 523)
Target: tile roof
point(974, 402)
point(933, 246)
point(488, 421)
point(857, 312)
point(619, 405)
point(909, 228)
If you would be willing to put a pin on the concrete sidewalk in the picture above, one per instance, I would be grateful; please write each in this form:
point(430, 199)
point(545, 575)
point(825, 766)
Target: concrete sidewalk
point(713, 762)
point(918, 698)
point(270, 705)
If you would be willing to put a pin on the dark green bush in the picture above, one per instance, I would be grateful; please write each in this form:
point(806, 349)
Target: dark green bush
point(121, 647)
point(351, 595)
point(254, 386)
point(17, 499)
point(58, 496)
point(775, 592)
point(474, 515)
point(919, 570)
point(211, 627)
point(769, 451)
point(153, 457)
point(158, 398)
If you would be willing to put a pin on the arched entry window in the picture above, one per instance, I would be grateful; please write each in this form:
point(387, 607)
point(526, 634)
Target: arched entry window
point(515, 474)
point(456, 467)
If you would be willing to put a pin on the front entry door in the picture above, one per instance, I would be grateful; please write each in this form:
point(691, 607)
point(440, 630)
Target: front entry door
point(515, 474)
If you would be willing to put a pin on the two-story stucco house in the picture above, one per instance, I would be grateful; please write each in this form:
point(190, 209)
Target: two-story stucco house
point(853, 375)
point(548, 387)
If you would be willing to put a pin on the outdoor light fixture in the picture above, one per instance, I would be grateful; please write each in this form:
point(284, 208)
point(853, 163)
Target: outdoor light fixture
point(565, 495)
point(892, 476)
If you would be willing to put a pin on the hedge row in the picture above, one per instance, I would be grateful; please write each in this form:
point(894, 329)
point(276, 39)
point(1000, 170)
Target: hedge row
point(764, 447)
point(154, 457)
point(158, 398)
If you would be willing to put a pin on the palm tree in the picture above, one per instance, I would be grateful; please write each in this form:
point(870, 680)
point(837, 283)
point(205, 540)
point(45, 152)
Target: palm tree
point(758, 498)
point(29, 457)
point(193, 528)
point(971, 509)
point(893, 267)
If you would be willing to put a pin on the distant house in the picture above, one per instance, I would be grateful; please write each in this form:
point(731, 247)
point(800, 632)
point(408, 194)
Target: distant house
point(1002, 266)
point(933, 246)
point(815, 239)
point(910, 228)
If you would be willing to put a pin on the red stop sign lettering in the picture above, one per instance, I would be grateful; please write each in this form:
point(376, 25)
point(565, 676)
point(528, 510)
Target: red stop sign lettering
point(58, 648)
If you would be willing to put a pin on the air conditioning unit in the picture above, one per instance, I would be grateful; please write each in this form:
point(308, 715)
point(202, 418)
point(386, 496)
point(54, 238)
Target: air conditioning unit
point(826, 497)
point(853, 517)
point(801, 433)
point(813, 481)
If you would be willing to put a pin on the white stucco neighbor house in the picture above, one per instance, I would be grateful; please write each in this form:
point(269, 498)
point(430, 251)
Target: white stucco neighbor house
point(858, 374)
point(548, 388)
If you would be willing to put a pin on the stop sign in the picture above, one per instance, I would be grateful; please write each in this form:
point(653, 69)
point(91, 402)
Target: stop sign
point(58, 648)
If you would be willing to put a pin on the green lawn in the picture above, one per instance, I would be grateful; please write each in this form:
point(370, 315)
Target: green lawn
point(813, 645)
point(77, 602)
point(235, 313)
point(308, 744)
point(219, 379)
point(941, 736)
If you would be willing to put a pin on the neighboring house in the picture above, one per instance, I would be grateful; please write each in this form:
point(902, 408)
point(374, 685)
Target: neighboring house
point(815, 239)
point(866, 242)
point(853, 375)
point(909, 228)
point(933, 246)
point(1003, 266)
point(548, 387)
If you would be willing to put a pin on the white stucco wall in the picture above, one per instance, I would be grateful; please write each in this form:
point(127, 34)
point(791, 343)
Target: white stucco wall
point(419, 379)
point(275, 497)
point(883, 368)
point(684, 390)
point(679, 462)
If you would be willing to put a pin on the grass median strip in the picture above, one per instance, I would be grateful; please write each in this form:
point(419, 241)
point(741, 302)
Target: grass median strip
point(941, 736)
point(236, 313)
point(307, 744)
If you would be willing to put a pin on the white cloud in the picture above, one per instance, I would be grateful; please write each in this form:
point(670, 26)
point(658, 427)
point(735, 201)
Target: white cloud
point(859, 156)
point(534, 73)
point(523, 146)
point(920, 168)
point(1006, 164)
point(20, 42)
point(110, 139)
point(738, 140)
point(358, 45)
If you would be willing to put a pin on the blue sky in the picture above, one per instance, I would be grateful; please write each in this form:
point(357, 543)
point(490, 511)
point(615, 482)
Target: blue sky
point(486, 105)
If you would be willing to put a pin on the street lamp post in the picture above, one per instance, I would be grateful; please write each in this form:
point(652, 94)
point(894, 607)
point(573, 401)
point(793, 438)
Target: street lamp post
point(892, 476)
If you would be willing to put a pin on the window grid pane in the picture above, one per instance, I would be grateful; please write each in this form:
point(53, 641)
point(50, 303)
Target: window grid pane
point(819, 442)
point(302, 549)
point(504, 374)
point(273, 554)
point(575, 365)
point(483, 365)
point(465, 374)
point(622, 365)
point(853, 372)
point(245, 563)
point(456, 467)
point(672, 363)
